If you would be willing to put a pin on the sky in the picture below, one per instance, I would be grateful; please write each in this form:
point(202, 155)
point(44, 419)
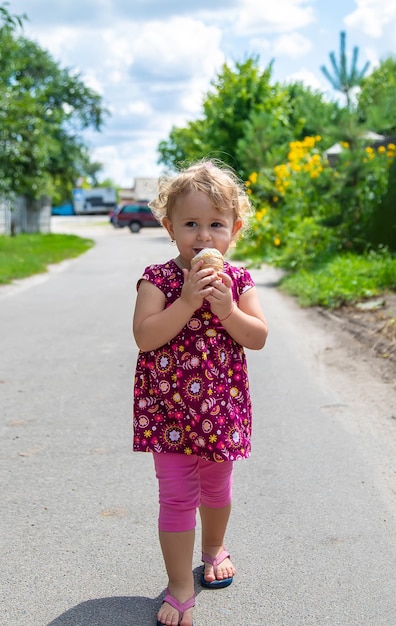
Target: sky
point(152, 61)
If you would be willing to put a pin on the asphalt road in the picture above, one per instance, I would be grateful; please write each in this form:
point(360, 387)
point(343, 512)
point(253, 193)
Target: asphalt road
point(313, 527)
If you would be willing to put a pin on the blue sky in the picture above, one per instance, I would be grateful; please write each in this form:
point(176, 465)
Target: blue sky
point(152, 61)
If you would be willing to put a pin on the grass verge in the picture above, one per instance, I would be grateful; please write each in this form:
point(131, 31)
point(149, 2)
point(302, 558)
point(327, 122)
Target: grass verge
point(25, 255)
point(343, 280)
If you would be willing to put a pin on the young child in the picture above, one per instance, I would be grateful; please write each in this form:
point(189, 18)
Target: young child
point(192, 407)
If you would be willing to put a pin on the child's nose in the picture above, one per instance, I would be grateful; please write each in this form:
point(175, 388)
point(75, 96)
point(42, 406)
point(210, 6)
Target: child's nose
point(204, 234)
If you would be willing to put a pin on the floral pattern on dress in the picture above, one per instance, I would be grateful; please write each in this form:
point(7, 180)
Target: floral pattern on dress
point(191, 396)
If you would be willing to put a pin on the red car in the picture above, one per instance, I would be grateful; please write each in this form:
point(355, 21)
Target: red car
point(134, 215)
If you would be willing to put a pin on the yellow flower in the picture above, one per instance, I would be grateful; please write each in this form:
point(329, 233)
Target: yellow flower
point(381, 149)
point(277, 241)
point(260, 214)
point(275, 199)
point(253, 178)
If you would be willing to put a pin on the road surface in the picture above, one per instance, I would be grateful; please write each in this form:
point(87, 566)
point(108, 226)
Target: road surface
point(313, 528)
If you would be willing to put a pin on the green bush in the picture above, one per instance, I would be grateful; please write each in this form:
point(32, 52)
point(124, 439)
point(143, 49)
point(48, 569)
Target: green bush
point(344, 279)
point(308, 211)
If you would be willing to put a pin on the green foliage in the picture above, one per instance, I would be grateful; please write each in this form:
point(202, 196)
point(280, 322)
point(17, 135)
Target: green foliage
point(383, 223)
point(309, 113)
point(309, 211)
point(276, 137)
point(377, 99)
point(184, 145)
point(26, 255)
point(247, 122)
point(43, 109)
point(236, 94)
point(342, 79)
point(344, 279)
point(8, 19)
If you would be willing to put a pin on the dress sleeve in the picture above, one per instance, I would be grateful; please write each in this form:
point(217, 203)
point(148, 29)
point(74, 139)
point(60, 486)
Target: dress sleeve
point(149, 274)
point(245, 281)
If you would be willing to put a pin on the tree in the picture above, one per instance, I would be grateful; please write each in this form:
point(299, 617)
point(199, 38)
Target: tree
point(235, 94)
point(184, 145)
point(43, 110)
point(377, 99)
point(292, 112)
point(345, 80)
point(248, 122)
point(8, 19)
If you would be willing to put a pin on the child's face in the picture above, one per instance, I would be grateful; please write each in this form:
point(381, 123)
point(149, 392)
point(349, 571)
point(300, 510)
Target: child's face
point(197, 224)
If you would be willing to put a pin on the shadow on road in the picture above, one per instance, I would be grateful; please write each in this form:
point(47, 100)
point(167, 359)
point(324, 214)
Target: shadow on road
point(116, 611)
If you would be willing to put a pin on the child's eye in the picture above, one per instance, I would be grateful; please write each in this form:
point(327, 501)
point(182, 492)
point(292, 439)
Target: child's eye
point(191, 224)
point(217, 225)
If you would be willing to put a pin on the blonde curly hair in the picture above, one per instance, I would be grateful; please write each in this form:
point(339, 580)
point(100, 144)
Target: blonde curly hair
point(218, 181)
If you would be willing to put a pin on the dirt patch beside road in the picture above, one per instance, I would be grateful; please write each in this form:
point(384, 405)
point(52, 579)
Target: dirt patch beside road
point(373, 325)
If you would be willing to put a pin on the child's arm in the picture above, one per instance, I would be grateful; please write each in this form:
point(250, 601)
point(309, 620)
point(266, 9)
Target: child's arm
point(246, 322)
point(153, 324)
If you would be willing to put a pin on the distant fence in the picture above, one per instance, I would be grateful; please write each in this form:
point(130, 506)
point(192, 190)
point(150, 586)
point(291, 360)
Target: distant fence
point(21, 215)
point(5, 216)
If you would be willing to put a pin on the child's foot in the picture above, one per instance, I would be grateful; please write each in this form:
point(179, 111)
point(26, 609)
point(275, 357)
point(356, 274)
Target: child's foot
point(220, 570)
point(175, 613)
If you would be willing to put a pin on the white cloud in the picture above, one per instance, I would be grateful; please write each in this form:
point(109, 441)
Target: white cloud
point(153, 61)
point(180, 47)
point(274, 17)
point(91, 80)
point(308, 78)
point(292, 45)
point(56, 40)
point(129, 159)
point(259, 44)
point(371, 16)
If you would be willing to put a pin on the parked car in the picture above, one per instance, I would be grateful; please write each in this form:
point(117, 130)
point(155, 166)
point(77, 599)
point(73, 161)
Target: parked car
point(135, 216)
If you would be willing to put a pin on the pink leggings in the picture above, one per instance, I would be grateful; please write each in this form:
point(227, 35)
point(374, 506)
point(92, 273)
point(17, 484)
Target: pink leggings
point(185, 482)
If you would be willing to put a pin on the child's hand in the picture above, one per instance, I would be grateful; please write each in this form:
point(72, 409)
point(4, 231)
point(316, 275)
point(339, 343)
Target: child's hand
point(197, 285)
point(220, 298)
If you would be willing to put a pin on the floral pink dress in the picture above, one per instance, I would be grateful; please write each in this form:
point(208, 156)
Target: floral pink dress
point(191, 396)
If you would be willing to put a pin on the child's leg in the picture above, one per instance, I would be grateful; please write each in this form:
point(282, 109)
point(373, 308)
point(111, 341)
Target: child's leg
point(177, 549)
point(179, 492)
point(215, 509)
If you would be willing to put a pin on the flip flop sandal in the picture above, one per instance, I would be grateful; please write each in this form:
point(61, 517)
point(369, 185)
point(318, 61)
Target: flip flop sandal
point(215, 584)
point(179, 606)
